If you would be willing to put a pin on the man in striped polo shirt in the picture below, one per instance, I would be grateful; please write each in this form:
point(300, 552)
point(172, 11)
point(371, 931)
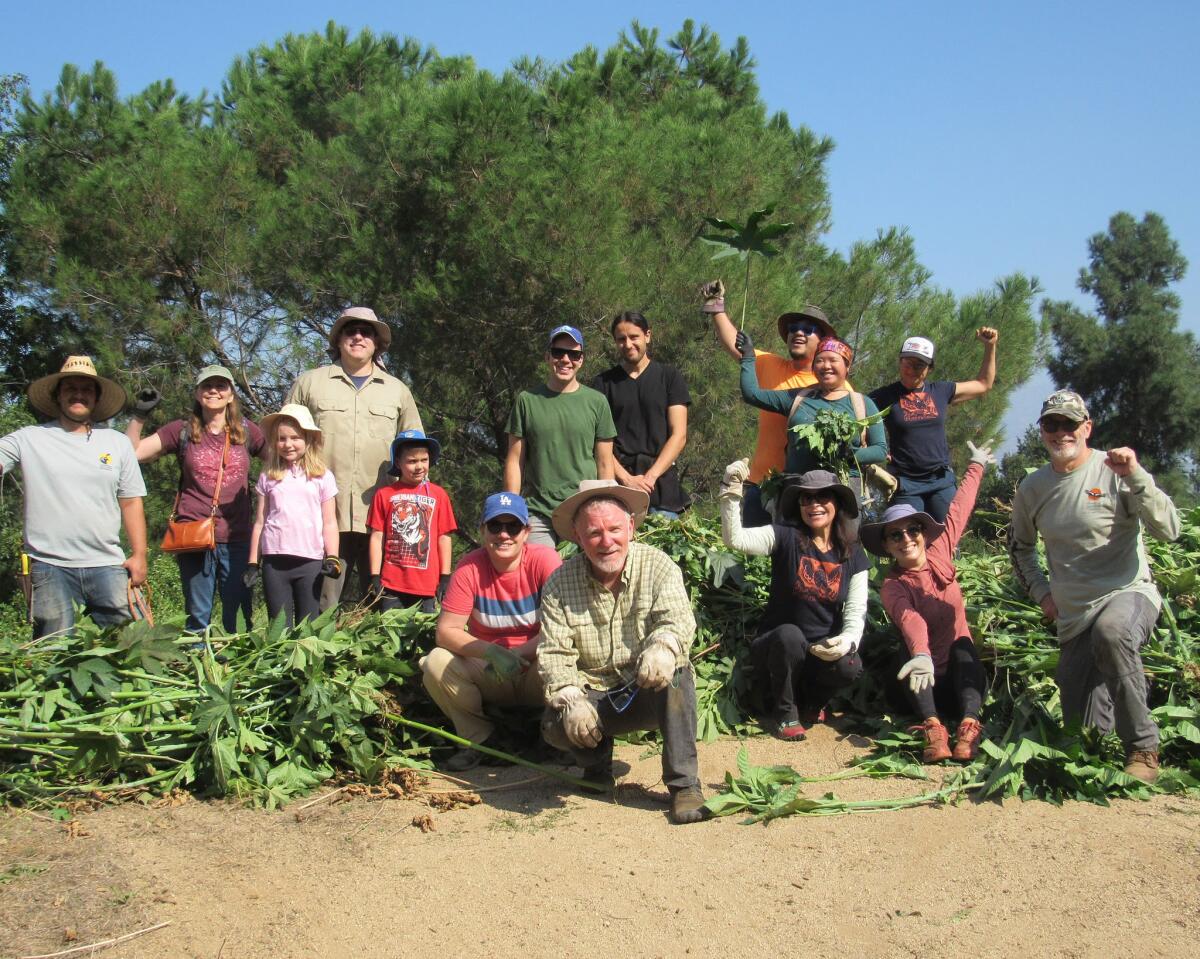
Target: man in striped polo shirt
point(489, 628)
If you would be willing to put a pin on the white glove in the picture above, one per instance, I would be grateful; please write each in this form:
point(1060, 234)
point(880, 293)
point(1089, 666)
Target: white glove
point(919, 671)
point(736, 474)
point(656, 666)
point(580, 720)
point(982, 455)
point(833, 648)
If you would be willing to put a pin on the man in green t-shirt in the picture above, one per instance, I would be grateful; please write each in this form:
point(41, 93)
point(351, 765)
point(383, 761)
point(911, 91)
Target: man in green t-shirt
point(559, 433)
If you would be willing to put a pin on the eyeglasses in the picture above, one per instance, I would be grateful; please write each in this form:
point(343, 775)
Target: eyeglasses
point(558, 352)
point(621, 699)
point(900, 535)
point(803, 326)
point(816, 496)
point(511, 526)
point(1059, 424)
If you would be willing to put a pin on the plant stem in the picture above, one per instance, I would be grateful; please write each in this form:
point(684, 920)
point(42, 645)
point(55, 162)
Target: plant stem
point(745, 298)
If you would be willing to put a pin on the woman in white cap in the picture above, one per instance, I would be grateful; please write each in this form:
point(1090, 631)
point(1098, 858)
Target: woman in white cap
point(295, 535)
point(922, 596)
point(916, 422)
point(213, 446)
point(808, 637)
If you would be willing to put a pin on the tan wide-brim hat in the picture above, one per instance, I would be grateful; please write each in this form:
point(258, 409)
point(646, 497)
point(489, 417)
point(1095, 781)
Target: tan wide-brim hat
point(563, 518)
point(363, 314)
point(292, 411)
point(112, 397)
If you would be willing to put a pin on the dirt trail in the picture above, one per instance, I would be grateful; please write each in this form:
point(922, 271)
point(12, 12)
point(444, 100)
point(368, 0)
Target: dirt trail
point(535, 871)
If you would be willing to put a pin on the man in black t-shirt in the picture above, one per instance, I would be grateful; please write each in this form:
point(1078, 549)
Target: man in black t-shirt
point(649, 402)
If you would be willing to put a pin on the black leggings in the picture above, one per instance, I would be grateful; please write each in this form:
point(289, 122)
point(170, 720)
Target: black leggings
point(787, 677)
point(957, 692)
point(292, 584)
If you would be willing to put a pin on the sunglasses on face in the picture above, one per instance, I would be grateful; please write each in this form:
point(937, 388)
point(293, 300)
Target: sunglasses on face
point(358, 330)
point(819, 496)
point(803, 326)
point(511, 526)
point(1057, 424)
point(900, 535)
point(558, 352)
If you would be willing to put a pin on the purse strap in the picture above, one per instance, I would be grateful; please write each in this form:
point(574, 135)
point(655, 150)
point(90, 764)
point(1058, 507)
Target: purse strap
point(220, 475)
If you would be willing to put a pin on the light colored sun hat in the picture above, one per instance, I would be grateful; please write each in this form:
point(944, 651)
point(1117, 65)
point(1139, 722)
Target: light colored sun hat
point(563, 517)
point(109, 403)
point(292, 411)
point(363, 314)
point(214, 372)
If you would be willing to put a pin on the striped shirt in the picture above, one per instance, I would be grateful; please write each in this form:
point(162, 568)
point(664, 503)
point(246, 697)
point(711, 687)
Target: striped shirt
point(501, 608)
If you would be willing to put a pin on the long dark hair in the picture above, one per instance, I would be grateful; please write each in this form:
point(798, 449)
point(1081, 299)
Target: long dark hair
point(843, 534)
point(629, 316)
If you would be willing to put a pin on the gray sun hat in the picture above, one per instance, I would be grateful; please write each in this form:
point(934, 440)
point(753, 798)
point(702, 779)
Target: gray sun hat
point(794, 485)
point(872, 535)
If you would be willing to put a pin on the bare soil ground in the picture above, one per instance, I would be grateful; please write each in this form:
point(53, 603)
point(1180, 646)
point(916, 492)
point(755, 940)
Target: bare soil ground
point(538, 870)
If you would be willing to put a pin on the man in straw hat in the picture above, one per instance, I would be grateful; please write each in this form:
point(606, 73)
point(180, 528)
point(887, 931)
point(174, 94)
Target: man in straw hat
point(617, 625)
point(1090, 509)
point(81, 484)
point(359, 409)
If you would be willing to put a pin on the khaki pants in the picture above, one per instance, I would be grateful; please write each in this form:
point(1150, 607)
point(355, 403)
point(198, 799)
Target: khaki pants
point(460, 685)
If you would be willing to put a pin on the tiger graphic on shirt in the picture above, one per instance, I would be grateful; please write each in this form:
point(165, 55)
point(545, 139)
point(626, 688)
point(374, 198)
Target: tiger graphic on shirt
point(918, 406)
point(818, 580)
point(408, 538)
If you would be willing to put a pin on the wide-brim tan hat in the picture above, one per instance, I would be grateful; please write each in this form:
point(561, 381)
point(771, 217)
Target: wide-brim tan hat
point(563, 517)
point(112, 397)
point(292, 411)
point(361, 314)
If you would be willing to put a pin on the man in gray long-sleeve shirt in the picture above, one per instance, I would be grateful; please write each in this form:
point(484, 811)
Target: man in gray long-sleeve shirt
point(1089, 509)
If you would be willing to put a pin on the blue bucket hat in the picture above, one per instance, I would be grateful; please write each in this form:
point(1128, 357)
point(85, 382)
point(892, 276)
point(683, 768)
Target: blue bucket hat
point(414, 438)
point(871, 535)
point(505, 504)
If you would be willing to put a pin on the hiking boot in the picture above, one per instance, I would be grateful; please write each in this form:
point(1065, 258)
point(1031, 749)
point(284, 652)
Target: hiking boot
point(966, 740)
point(1142, 764)
point(601, 774)
point(937, 741)
point(687, 805)
point(792, 731)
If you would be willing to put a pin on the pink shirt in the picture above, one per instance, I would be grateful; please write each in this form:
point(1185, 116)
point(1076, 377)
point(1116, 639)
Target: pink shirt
point(292, 523)
point(927, 603)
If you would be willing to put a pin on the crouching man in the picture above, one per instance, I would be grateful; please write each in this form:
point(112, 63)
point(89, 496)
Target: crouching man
point(487, 633)
point(616, 629)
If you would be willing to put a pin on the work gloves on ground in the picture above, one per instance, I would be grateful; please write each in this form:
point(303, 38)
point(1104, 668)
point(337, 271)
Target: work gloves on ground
point(744, 345)
point(580, 720)
point(833, 648)
point(331, 567)
point(443, 582)
point(145, 401)
point(918, 671)
point(982, 455)
point(250, 575)
point(503, 662)
point(656, 664)
point(736, 474)
point(714, 297)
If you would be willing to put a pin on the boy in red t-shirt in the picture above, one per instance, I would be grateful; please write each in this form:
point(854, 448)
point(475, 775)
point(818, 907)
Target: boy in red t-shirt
point(411, 521)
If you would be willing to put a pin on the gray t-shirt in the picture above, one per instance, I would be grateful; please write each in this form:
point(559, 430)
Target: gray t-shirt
point(71, 484)
point(1091, 521)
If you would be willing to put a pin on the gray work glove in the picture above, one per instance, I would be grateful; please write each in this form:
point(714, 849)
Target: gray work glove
point(982, 455)
point(833, 648)
point(503, 662)
point(744, 345)
point(656, 664)
point(714, 297)
point(145, 401)
point(918, 671)
point(580, 720)
point(736, 474)
point(250, 575)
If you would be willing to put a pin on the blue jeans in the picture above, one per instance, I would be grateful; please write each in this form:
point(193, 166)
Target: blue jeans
point(102, 591)
point(664, 513)
point(204, 575)
point(932, 495)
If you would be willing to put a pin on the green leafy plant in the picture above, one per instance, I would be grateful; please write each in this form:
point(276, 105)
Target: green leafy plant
point(832, 437)
point(746, 240)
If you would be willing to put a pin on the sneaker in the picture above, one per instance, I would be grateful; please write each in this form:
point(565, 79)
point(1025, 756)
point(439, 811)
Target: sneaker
point(811, 716)
point(966, 740)
point(687, 805)
point(1142, 764)
point(463, 759)
point(790, 732)
point(937, 741)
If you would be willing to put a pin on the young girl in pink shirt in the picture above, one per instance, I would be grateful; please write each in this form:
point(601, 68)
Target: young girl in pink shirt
point(295, 527)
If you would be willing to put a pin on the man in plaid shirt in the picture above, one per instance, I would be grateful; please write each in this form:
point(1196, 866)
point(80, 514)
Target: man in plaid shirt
point(617, 625)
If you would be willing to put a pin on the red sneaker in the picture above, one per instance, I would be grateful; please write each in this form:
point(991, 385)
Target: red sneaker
point(790, 732)
point(966, 740)
point(937, 741)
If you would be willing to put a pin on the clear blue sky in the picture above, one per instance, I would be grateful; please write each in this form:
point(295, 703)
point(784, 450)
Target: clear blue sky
point(1001, 135)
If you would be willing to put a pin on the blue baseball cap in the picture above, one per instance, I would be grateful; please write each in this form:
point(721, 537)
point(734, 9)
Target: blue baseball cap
point(569, 331)
point(414, 438)
point(504, 504)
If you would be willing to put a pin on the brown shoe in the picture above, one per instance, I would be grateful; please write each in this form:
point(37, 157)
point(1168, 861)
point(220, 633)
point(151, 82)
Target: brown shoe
point(1142, 764)
point(687, 805)
point(966, 740)
point(937, 741)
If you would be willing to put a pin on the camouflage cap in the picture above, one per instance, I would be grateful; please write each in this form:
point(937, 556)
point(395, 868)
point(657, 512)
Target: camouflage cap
point(1065, 403)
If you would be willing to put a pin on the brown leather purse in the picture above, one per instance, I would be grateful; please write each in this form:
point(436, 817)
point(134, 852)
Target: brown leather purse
point(195, 535)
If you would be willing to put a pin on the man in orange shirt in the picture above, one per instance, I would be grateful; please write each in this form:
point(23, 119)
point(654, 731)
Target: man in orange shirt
point(801, 331)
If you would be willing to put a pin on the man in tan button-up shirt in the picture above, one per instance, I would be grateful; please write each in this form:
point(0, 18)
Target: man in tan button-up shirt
point(359, 408)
